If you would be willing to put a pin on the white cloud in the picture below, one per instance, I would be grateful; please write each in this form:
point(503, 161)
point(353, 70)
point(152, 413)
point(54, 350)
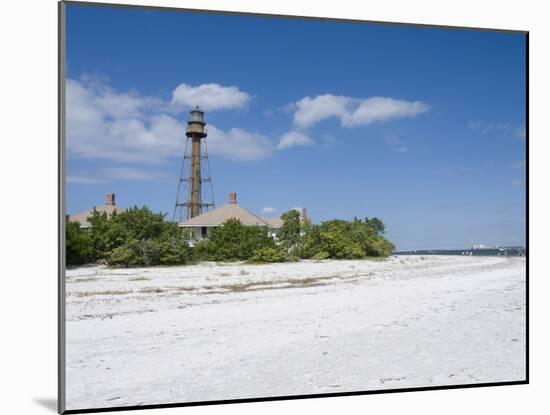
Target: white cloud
point(109, 174)
point(210, 97)
point(238, 144)
point(474, 125)
point(487, 128)
point(125, 127)
point(83, 180)
point(97, 127)
point(269, 210)
point(294, 138)
point(353, 112)
point(309, 110)
point(396, 144)
point(126, 173)
point(382, 109)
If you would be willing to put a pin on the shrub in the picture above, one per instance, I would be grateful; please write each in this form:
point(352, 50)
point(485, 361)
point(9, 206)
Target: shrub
point(131, 238)
point(269, 254)
point(309, 242)
point(321, 255)
point(174, 252)
point(289, 234)
point(79, 249)
point(111, 231)
point(139, 237)
point(202, 251)
point(151, 252)
point(127, 255)
point(234, 241)
point(341, 239)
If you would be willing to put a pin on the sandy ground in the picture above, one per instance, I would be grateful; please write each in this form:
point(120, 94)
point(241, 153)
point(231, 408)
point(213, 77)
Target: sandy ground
point(209, 332)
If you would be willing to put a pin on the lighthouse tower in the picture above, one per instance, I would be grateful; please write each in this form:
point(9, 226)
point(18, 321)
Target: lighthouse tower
point(195, 194)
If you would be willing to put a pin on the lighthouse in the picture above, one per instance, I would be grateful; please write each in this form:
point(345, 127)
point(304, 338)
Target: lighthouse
point(195, 194)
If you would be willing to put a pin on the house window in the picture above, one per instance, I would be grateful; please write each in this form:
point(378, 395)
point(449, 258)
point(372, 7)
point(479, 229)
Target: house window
point(203, 232)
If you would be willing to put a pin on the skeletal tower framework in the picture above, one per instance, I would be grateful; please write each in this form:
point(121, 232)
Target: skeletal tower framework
point(195, 194)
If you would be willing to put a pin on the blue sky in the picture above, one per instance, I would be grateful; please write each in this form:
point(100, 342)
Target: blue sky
point(421, 127)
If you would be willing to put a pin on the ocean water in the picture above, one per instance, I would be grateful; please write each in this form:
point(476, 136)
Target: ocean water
point(506, 251)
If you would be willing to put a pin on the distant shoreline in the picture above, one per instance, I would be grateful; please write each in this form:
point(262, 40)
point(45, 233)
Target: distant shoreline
point(504, 251)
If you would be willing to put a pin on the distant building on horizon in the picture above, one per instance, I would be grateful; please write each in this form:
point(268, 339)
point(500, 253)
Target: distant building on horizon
point(109, 207)
point(202, 225)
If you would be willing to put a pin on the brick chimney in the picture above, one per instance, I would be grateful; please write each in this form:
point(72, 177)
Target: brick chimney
point(304, 213)
point(110, 199)
point(233, 198)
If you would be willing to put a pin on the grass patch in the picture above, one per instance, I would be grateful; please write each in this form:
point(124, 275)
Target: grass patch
point(251, 262)
point(112, 292)
point(151, 290)
point(373, 258)
point(245, 285)
point(90, 279)
point(252, 285)
point(305, 282)
point(367, 258)
point(185, 288)
point(266, 285)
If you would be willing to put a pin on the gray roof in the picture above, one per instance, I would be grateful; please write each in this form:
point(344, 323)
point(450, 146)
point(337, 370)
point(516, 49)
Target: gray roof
point(219, 215)
point(274, 222)
point(82, 217)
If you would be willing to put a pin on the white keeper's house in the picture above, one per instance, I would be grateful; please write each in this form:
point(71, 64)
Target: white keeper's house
point(202, 225)
point(109, 207)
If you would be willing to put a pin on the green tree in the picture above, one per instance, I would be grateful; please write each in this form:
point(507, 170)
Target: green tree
point(78, 244)
point(129, 254)
point(309, 242)
point(137, 236)
point(377, 225)
point(233, 241)
point(203, 251)
point(228, 241)
point(99, 228)
point(269, 254)
point(289, 233)
point(138, 223)
point(339, 239)
point(174, 246)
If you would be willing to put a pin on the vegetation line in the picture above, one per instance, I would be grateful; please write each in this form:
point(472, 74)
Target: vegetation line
point(139, 237)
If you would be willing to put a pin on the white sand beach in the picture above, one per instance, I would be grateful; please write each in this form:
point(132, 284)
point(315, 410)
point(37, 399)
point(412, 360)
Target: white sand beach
point(210, 332)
